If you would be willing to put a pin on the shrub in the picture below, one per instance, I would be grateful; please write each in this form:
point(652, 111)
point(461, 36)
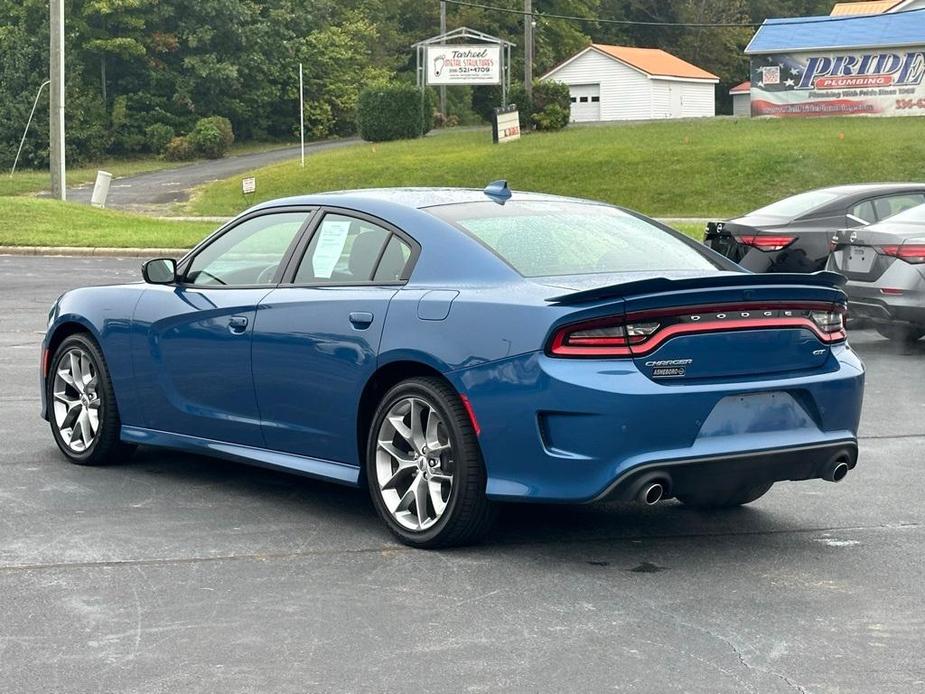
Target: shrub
point(549, 108)
point(553, 117)
point(179, 149)
point(394, 112)
point(207, 140)
point(157, 137)
point(224, 127)
point(518, 95)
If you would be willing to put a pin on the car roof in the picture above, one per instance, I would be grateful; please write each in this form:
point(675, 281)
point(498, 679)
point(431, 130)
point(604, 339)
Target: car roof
point(415, 198)
point(865, 188)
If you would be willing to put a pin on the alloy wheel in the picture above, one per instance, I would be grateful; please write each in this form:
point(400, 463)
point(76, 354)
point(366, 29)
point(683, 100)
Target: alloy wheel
point(76, 400)
point(414, 463)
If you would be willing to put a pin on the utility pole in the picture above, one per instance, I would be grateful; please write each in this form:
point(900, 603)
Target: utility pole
point(443, 31)
point(528, 47)
point(302, 115)
point(56, 100)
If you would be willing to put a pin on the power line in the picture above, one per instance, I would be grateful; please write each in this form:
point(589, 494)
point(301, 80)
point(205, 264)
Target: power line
point(675, 25)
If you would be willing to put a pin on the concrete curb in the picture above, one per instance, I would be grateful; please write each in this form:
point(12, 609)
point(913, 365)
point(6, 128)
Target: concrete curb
point(84, 251)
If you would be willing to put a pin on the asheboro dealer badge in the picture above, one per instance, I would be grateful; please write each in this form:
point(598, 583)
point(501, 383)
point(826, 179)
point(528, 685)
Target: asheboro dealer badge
point(669, 368)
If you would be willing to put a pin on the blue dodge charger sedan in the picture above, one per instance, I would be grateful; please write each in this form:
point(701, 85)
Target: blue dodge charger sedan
point(452, 348)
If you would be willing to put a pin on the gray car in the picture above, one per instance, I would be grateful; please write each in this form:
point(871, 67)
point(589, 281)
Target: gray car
point(885, 267)
point(794, 234)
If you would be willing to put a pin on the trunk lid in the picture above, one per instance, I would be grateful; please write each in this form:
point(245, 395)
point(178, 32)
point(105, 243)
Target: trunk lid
point(716, 326)
point(859, 254)
point(724, 237)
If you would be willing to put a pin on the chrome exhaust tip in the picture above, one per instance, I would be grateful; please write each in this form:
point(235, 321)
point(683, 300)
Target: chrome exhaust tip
point(836, 471)
point(651, 493)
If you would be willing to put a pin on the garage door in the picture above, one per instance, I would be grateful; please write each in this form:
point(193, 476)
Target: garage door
point(586, 102)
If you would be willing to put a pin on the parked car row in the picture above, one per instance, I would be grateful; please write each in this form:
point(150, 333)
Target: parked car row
point(873, 234)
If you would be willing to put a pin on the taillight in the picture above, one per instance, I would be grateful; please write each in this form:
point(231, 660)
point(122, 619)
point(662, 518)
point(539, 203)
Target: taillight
point(910, 252)
point(765, 242)
point(829, 322)
point(638, 334)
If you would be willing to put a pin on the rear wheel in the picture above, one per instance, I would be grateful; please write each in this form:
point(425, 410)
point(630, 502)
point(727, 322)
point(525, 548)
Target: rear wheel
point(727, 499)
point(424, 467)
point(905, 334)
point(82, 406)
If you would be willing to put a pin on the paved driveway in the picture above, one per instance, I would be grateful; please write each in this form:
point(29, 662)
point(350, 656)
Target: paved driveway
point(155, 189)
point(179, 573)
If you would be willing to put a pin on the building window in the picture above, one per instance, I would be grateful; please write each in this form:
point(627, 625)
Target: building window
point(584, 99)
point(574, 99)
point(595, 99)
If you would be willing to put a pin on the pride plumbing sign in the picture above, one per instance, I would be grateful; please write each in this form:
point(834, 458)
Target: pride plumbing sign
point(874, 83)
point(472, 64)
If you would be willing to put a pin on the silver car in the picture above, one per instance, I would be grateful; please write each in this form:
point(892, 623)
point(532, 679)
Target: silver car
point(885, 267)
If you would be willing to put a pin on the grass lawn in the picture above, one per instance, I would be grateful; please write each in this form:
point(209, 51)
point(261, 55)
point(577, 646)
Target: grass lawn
point(39, 222)
point(720, 166)
point(695, 231)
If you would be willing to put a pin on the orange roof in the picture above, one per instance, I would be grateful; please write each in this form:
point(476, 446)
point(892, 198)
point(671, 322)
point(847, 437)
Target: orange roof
point(654, 61)
point(744, 88)
point(863, 7)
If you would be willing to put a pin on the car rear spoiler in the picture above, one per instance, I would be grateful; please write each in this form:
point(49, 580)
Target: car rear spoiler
point(658, 285)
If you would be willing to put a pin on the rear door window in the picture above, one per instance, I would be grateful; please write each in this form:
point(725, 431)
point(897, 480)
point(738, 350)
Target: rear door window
point(889, 205)
point(348, 250)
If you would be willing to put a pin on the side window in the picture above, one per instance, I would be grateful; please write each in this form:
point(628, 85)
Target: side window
point(248, 254)
point(394, 260)
point(894, 204)
point(343, 249)
point(863, 213)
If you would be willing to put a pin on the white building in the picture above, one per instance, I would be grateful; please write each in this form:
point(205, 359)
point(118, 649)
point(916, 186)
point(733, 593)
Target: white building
point(741, 99)
point(624, 83)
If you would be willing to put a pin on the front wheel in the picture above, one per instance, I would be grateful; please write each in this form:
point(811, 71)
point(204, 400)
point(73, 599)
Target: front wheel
point(82, 405)
point(424, 467)
point(726, 499)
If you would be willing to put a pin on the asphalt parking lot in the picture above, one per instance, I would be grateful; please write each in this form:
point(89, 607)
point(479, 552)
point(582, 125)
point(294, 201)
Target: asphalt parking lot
point(178, 573)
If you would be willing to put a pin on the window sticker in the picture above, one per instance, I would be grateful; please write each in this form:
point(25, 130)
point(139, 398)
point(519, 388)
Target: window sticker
point(330, 247)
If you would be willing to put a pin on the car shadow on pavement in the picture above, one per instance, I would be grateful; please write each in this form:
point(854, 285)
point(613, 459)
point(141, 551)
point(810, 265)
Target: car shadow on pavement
point(342, 509)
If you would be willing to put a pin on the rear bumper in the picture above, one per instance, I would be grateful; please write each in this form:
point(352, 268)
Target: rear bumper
point(562, 430)
point(733, 471)
point(866, 300)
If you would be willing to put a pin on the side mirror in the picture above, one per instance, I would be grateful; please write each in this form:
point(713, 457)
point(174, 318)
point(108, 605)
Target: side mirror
point(160, 271)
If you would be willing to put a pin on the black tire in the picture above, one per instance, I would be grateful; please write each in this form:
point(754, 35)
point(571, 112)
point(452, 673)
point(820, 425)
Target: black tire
point(903, 334)
point(468, 515)
point(726, 499)
point(106, 448)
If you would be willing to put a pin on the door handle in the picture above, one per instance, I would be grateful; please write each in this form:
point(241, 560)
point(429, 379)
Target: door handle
point(361, 319)
point(237, 324)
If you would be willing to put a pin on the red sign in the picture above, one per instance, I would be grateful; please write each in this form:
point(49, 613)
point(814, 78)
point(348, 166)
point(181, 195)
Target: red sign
point(854, 82)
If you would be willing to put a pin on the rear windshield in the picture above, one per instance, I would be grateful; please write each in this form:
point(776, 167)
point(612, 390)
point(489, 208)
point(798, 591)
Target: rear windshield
point(797, 205)
point(914, 215)
point(542, 239)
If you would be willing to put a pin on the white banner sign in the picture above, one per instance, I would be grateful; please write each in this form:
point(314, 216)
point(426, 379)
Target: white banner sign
point(472, 64)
